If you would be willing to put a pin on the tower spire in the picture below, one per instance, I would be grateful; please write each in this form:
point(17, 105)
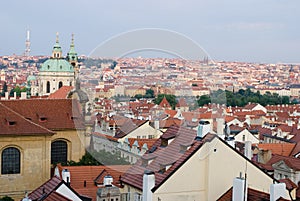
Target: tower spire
point(57, 37)
point(27, 43)
point(72, 40)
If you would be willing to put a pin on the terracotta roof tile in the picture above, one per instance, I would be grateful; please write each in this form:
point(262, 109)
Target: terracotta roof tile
point(283, 149)
point(164, 103)
point(92, 174)
point(53, 114)
point(251, 195)
point(12, 123)
point(61, 93)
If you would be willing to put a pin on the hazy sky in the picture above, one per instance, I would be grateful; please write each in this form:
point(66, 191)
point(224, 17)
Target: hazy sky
point(231, 30)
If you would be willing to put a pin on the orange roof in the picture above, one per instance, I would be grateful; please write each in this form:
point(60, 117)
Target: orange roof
point(164, 103)
point(90, 174)
point(283, 149)
point(172, 113)
point(61, 93)
point(141, 142)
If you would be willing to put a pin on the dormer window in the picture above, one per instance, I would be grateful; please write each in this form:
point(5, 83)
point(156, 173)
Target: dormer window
point(184, 147)
point(43, 119)
point(164, 167)
point(11, 122)
point(147, 159)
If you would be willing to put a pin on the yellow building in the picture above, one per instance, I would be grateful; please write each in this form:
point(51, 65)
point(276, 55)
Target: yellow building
point(35, 134)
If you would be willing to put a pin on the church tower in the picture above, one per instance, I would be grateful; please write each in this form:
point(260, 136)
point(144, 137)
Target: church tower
point(55, 72)
point(72, 57)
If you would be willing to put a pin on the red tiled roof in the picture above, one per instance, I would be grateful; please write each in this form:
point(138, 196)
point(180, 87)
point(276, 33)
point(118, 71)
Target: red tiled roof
point(164, 103)
point(283, 149)
point(61, 93)
point(253, 195)
point(292, 162)
point(141, 142)
point(92, 174)
point(53, 114)
point(12, 123)
point(172, 113)
point(48, 187)
point(289, 184)
point(181, 103)
point(128, 126)
point(169, 155)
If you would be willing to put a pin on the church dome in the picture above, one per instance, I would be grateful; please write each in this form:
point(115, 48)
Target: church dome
point(56, 65)
point(31, 78)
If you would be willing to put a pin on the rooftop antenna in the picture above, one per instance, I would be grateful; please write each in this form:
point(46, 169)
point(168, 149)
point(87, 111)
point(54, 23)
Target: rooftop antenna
point(27, 43)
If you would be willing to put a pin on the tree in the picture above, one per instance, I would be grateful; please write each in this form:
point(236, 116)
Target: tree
point(100, 158)
point(170, 98)
point(6, 198)
point(149, 93)
point(4, 89)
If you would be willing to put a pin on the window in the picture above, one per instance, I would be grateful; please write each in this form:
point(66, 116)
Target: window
point(10, 161)
point(48, 87)
point(59, 152)
point(60, 84)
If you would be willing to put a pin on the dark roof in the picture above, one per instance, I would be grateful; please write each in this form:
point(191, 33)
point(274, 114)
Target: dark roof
point(53, 114)
point(128, 126)
point(45, 189)
point(169, 155)
point(252, 194)
point(12, 123)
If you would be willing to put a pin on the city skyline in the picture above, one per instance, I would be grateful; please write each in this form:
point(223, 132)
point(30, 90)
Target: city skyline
point(231, 31)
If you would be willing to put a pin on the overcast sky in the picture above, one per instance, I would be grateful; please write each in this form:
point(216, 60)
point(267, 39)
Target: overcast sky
point(231, 30)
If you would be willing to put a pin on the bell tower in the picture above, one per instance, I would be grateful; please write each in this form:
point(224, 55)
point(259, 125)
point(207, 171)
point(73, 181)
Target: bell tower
point(57, 52)
point(72, 57)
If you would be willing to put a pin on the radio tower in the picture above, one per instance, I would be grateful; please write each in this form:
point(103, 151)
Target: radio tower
point(27, 43)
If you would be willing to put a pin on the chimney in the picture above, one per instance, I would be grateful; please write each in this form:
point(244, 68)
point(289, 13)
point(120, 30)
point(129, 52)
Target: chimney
point(240, 187)
point(248, 149)
point(278, 190)
point(156, 124)
point(148, 184)
point(107, 181)
point(66, 176)
point(23, 95)
point(220, 126)
point(203, 129)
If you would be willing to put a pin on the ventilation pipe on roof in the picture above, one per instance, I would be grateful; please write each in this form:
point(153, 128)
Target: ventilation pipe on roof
point(240, 186)
point(277, 190)
point(66, 176)
point(148, 184)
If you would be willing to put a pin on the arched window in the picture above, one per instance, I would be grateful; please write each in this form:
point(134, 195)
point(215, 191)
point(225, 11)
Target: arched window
point(59, 152)
point(60, 84)
point(10, 161)
point(48, 87)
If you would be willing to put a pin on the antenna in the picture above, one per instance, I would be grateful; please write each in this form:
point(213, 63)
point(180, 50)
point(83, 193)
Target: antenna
point(27, 43)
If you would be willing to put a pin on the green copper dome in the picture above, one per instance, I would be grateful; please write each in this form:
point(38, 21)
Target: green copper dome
point(56, 65)
point(72, 54)
point(31, 78)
